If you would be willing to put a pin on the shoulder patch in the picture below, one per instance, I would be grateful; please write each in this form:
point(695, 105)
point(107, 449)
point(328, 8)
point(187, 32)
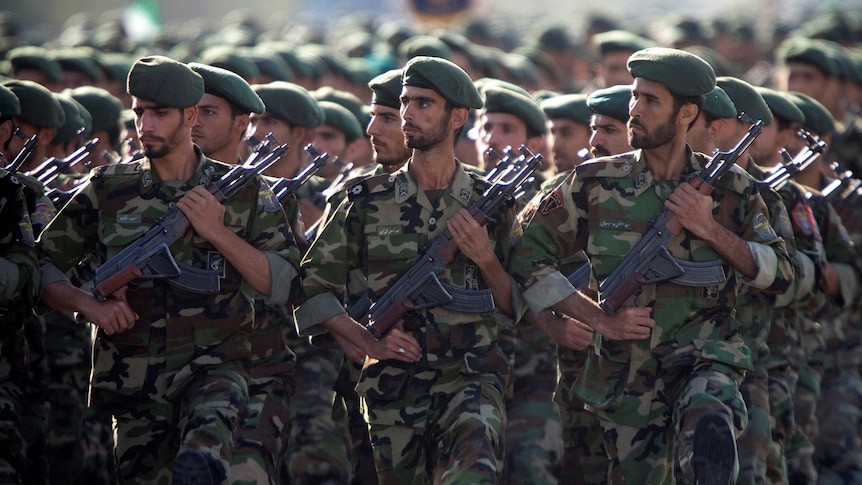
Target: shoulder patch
point(372, 185)
point(619, 166)
point(117, 169)
point(803, 218)
point(762, 227)
point(268, 199)
point(553, 201)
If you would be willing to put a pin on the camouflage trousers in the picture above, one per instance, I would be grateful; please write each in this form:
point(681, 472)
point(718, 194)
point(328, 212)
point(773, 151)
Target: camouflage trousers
point(204, 417)
point(533, 433)
point(317, 443)
point(79, 448)
point(259, 441)
point(585, 460)
point(661, 453)
point(361, 452)
point(838, 445)
point(800, 447)
point(455, 434)
point(753, 445)
point(782, 382)
point(14, 467)
point(36, 406)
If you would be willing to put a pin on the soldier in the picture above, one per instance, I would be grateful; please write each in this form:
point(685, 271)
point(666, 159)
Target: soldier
point(569, 119)
point(224, 113)
point(291, 115)
point(171, 365)
point(754, 308)
point(585, 459)
point(831, 336)
point(614, 48)
point(18, 294)
point(33, 63)
point(663, 378)
point(435, 409)
point(260, 439)
point(610, 108)
point(105, 110)
point(335, 136)
point(41, 115)
point(533, 439)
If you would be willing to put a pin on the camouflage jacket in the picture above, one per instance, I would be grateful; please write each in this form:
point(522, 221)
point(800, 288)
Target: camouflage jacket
point(604, 208)
point(178, 332)
point(381, 227)
point(19, 271)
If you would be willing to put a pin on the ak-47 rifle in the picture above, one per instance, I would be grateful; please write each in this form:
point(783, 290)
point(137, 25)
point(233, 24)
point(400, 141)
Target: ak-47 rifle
point(650, 261)
point(22, 155)
point(815, 147)
point(52, 167)
point(285, 187)
point(150, 257)
point(419, 288)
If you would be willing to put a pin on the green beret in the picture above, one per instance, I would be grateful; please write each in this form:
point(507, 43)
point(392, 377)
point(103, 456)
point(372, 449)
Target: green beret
point(230, 86)
point(74, 121)
point(807, 51)
point(10, 107)
point(780, 105)
point(746, 99)
point(719, 105)
point(290, 103)
point(341, 119)
point(444, 77)
point(346, 99)
point(386, 89)
point(817, 118)
point(501, 100)
point(485, 82)
point(103, 106)
point(116, 65)
point(424, 45)
point(165, 81)
point(620, 40)
point(612, 101)
point(270, 64)
point(682, 72)
point(38, 105)
point(37, 58)
point(555, 39)
point(77, 60)
point(227, 57)
point(569, 106)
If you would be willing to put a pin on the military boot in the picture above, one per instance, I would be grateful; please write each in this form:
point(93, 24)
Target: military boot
point(714, 457)
point(196, 467)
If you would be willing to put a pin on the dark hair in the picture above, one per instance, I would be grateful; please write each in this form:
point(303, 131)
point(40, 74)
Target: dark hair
point(680, 100)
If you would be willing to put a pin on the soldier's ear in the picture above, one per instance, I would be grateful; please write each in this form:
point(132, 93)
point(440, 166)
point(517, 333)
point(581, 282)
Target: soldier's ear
point(459, 117)
point(687, 114)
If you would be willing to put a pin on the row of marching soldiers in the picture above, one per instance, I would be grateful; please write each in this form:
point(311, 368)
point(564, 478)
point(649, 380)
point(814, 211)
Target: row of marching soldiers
point(803, 393)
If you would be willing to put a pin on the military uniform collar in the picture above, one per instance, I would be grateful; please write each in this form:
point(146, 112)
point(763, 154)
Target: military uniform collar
point(460, 189)
point(643, 179)
point(203, 174)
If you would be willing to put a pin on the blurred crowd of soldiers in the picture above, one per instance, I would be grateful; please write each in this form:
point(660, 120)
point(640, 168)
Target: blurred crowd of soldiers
point(561, 94)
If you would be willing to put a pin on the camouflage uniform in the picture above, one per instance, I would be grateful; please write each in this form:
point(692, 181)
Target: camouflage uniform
point(179, 377)
point(838, 444)
point(754, 310)
point(17, 296)
point(784, 339)
point(649, 394)
point(440, 419)
point(261, 437)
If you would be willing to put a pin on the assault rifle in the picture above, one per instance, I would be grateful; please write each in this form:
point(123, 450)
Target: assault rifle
point(649, 261)
point(150, 257)
point(815, 147)
point(52, 167)
point(22, 155)
point(285, 187)
point(419, 288)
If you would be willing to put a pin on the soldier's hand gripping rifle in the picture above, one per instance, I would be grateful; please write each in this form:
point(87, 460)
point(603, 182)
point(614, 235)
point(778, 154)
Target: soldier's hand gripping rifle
point(419, 288)
point(150, 257)
point(650, 261)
